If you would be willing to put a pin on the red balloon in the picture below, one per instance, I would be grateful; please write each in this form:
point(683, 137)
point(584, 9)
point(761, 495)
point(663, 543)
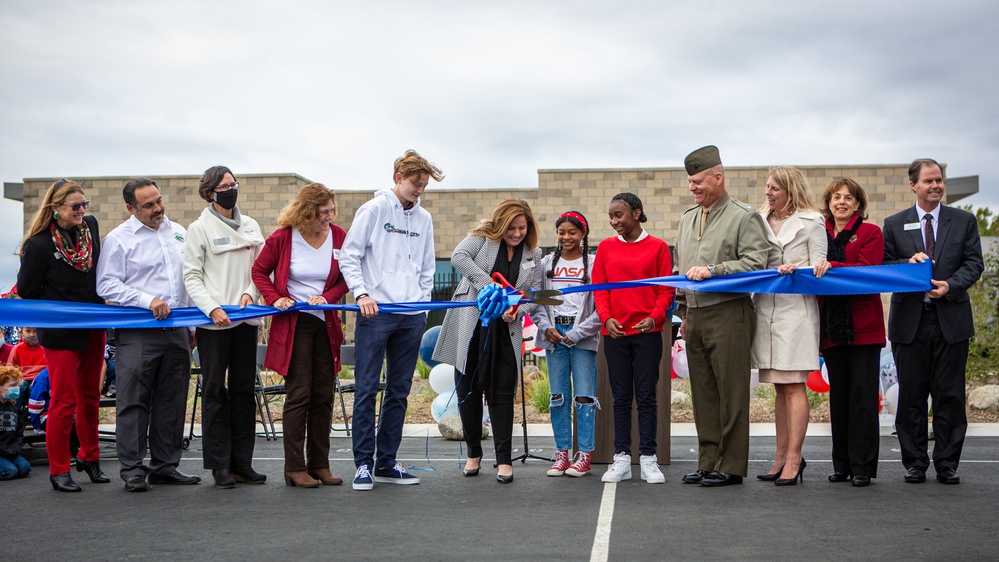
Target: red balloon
point(881, 400)
point(816, 382)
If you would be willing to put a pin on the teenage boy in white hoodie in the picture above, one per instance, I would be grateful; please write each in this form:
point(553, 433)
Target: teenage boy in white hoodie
point(388, 257)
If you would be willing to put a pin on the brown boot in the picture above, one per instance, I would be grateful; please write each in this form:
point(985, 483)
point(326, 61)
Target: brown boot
point(300, 480)
point(326, 477)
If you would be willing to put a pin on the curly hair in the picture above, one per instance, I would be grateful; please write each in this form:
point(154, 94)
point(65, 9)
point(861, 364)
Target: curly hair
point(303, 210)
point(8, 374)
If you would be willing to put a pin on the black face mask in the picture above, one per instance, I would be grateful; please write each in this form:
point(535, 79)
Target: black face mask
point(226, 199)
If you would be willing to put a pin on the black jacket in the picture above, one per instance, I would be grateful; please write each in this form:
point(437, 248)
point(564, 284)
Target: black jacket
point(44, 277)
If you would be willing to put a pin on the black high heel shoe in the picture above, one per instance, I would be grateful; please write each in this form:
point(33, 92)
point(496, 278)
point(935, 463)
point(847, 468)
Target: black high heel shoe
point(63, 483)
point(93, 470)
point(471, 471)
point(794, 480)
point(771, 477)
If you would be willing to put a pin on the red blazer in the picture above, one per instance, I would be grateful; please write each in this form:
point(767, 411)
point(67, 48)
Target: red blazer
point(867, 248)
point(276, 258)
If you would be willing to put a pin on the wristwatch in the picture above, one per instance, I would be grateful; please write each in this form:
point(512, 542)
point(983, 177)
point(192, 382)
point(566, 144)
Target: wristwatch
point(711, 269)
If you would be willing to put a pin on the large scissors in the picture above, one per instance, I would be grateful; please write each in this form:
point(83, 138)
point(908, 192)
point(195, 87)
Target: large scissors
point(544, 296)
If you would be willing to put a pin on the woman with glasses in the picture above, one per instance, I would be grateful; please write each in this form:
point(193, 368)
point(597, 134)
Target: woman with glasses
point(218, 254)
point(59, 256)
point(304, 347)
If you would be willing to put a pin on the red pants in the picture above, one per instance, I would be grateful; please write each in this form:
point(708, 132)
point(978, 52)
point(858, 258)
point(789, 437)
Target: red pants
point(75, 388)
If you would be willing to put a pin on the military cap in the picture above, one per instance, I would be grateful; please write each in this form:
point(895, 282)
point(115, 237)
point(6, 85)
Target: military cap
point(702, 159)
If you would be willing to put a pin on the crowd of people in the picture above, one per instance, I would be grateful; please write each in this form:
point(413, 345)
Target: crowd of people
point(223, 260)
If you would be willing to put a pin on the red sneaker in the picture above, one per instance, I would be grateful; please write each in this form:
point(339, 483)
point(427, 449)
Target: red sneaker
point(561, 463)
point(581, 465)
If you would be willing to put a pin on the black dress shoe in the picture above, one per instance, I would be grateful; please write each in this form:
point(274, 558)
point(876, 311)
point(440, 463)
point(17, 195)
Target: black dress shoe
point(247, 475)
point(64, 483)
point(93, 470)
point(223, 478)
point(770, 477)
point(915, 476)
point(174, 477)
point(695, 477)
point(504, 479)
point(948, 476)
point(861, 481)
point(718, 479)
point(470, 471)
point(136, 484)
point(839, 477)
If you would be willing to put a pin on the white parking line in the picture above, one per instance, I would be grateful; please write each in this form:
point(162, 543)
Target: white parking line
point(601, 539)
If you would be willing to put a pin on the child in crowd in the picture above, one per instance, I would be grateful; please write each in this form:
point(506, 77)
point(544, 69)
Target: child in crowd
point(28, 355)
point(571, 333)
point(633, 321)
point(12, 464)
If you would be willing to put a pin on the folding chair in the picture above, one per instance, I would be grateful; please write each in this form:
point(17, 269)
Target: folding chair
point(263, 396)
point(347, 354)
point(196, 371)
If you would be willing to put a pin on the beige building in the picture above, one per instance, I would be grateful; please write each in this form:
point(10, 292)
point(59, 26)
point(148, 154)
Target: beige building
point(455, 210)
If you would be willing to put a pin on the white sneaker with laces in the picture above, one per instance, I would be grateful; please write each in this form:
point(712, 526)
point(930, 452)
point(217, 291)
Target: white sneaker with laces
point(619, 470)
point(650, 470)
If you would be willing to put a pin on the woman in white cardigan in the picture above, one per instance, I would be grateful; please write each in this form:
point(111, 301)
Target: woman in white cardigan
point(786, 346)
point(487, 360)
point(221, 247)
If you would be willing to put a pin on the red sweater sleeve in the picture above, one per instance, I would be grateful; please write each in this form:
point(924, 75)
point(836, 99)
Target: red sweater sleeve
point(338, 288)
point(666, 294)
point(265, 264)
point(599, 275)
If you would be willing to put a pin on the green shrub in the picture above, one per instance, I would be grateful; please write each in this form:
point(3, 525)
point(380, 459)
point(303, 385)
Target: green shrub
point(422, 369)
point(983, 352)
point(538, 391)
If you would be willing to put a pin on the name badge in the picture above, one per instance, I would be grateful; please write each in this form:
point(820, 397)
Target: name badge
point(336, 254)
point(528, 265)
point(221, 241)
point(911, 226)
point(249, 232)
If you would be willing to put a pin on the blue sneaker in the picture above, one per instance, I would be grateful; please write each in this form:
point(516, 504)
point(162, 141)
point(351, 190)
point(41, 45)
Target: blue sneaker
point(362, 478)
point(395, 474)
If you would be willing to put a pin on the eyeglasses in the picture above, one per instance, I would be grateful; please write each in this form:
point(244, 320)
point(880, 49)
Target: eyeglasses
point(77, 206)
point(227, 186)
point(60, 183)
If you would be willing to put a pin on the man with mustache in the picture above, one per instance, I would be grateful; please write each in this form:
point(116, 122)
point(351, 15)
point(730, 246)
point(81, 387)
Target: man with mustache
point(142, 265)
point(930, 331)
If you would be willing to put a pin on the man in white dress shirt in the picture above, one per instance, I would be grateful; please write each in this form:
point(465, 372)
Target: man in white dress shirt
point(141, 265)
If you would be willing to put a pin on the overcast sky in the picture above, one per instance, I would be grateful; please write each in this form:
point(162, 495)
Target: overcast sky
point(490, 91)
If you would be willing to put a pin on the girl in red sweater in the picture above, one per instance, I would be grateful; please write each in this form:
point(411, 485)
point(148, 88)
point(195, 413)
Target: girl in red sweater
point(633, 320)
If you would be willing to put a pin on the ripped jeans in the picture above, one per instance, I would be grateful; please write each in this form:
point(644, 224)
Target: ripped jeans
point(572, 372)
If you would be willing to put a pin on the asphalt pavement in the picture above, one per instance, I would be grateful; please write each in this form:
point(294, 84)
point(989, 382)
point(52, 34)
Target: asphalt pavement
point(450, 517)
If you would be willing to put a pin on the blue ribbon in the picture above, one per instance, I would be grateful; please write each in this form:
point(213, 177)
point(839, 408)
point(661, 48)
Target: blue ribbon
point(904, 278)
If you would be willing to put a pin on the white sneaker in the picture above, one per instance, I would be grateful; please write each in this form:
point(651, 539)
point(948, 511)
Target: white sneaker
point(650, 470)
point(620, 470)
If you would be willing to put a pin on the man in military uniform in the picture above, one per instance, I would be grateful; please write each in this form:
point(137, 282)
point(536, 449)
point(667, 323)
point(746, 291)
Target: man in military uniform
point(718, 236)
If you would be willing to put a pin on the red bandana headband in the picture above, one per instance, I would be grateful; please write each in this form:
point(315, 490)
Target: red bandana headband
point(576, 216)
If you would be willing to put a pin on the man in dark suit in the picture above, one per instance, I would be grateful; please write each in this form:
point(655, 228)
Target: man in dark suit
point(930, 331)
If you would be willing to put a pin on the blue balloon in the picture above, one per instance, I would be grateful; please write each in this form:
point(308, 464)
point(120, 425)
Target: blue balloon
point(427, 345)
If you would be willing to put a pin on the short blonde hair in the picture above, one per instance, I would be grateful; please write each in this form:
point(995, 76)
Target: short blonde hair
point(412, 164)
point(495, 227)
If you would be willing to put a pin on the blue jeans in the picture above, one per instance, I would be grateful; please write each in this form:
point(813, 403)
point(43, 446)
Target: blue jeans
point(17, 467)
point(394, 338)
point(572, 372)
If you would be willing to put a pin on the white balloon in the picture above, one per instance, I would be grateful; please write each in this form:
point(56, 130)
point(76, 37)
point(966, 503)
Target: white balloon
point(444, 405)
point(442, 378)
point(891, 399)
point(680, 365)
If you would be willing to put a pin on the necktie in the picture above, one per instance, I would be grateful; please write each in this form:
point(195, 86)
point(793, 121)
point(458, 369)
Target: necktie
point(931, 241)
point(704, 220)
